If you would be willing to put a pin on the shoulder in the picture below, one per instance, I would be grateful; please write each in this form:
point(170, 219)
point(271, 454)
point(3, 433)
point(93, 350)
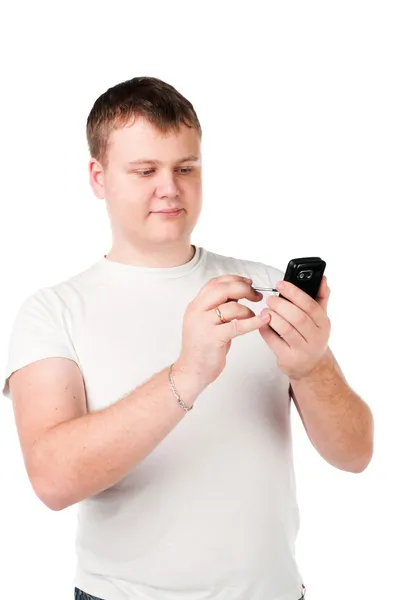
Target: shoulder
point(61, 296)
point(41, 325)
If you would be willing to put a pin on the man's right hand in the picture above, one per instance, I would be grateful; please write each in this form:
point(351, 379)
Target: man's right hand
point(206, 340)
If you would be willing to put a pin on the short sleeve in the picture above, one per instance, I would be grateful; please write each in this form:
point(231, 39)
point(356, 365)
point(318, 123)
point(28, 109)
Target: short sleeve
point(38, 332)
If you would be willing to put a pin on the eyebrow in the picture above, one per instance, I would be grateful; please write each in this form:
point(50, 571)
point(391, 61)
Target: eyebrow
point(152, 161)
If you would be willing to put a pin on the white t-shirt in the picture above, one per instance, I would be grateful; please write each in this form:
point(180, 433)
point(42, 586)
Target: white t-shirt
point(211, 512)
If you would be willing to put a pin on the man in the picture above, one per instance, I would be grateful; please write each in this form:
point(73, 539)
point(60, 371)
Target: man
point(104, 368)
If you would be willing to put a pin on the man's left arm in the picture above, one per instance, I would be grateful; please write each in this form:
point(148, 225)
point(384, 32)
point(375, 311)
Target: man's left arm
point(338, 422)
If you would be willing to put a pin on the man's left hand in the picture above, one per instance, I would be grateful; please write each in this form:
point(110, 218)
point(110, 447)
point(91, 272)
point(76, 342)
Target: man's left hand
point(303, 325)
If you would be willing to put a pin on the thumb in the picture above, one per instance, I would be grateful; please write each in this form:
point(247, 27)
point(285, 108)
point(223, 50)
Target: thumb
point(323, 294)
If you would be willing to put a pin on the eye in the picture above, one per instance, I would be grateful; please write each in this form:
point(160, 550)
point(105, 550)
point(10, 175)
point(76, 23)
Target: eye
point(147, 172)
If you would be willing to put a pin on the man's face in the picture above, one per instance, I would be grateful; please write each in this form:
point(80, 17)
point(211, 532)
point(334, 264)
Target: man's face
point(135, 192)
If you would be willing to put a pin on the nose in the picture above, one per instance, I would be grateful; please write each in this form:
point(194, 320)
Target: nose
point(167, 186)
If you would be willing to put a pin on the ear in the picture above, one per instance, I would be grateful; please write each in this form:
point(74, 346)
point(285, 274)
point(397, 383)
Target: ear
point(96, 175)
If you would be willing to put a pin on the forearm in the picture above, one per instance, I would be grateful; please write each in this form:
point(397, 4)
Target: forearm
point(338, 422)
point(87, 455)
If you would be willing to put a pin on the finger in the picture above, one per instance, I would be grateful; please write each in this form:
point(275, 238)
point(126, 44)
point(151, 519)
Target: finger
point(291, 313)
point(224, 291)
point(232, 310)
point(323, 294)
point(303, 301)
point(276, 343)
point(286, 330)
point(238, 327)
point(227, 277)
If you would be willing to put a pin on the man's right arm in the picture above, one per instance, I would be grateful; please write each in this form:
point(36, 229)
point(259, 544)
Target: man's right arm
point(71, 454)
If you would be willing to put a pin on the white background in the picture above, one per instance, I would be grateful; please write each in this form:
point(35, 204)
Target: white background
point(298, 103)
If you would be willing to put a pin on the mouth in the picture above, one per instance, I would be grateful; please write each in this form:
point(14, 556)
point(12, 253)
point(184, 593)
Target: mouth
point(169, 212)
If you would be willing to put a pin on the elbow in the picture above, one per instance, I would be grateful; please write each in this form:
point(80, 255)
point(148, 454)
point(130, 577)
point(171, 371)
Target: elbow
point(54, 503)
point(363, 464)
point(360, 457)
point(47, 488)
point(360, 464)
point(366, 457)
point(48, 494)
point(352, 462)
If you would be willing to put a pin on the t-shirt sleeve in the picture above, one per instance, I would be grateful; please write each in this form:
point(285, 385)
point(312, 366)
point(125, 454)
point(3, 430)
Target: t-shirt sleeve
point(38, 332)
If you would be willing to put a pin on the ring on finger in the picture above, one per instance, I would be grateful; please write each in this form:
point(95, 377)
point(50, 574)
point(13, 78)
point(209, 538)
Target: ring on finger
point(220, 315)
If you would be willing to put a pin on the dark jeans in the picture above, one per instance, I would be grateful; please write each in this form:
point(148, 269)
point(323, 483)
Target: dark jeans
point(79, 595)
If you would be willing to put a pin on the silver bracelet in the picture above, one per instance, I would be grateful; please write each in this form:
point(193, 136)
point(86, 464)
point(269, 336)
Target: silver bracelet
point(177, 395)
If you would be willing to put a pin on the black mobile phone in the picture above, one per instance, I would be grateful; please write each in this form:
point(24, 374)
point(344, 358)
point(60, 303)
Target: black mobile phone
point(306, 274)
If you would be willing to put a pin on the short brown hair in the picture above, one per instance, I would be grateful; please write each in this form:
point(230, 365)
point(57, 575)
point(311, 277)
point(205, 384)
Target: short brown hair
point(158, 102)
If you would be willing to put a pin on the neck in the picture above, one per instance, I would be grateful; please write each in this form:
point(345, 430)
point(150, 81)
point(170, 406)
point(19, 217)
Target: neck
point(160, 256)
